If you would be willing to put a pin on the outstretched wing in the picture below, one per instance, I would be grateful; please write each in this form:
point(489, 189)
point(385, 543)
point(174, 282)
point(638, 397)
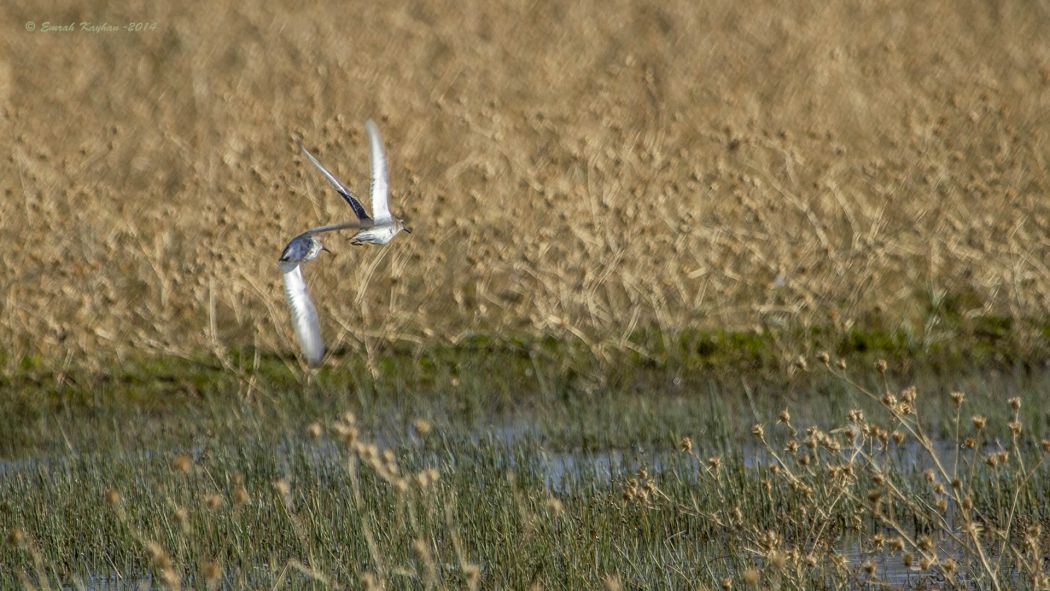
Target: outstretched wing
point(304, 315)
point(333, 227)
point(348, 196)
point(380, 187)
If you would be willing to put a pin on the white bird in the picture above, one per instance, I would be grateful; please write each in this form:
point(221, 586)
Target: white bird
point(307, 247)
point(384, 227)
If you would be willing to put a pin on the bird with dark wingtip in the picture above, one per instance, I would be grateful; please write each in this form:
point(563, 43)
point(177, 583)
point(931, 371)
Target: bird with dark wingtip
point(385, 225)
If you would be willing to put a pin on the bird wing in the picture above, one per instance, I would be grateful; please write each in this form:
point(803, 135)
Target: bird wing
point(304, 315)
point(380, 186)
point(347, 195)
point(333, 227)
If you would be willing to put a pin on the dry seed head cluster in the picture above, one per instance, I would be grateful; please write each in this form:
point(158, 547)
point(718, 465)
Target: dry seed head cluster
point(16, 537)
point(771, 200)
point(183, 463)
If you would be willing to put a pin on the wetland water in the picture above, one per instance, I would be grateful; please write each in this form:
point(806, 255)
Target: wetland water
point(521, 450)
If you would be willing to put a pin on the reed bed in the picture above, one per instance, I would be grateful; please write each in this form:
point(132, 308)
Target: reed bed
point(584, 172)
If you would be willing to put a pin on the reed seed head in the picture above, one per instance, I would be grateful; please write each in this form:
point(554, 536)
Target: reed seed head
point(751, 577)
point(158, 556)
point(910, 394)
point(554, 507)
point(183, 463)
point(948, 567)
point(183, 517)
point(422, 426)
point(283, 487)
point(211, 571)
point(16, 538)
point(422, 550)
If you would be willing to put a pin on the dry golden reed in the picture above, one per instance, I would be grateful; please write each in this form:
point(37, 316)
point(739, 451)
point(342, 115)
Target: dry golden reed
point(578, 170)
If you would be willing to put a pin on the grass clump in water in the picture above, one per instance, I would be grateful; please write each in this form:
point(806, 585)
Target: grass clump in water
point(870, 492)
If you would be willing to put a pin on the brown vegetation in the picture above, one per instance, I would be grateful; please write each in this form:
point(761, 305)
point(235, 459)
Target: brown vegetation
point(580, 169)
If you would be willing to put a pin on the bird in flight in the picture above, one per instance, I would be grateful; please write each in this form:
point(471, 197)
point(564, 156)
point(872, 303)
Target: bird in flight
point(384, 226)
point(307, 246)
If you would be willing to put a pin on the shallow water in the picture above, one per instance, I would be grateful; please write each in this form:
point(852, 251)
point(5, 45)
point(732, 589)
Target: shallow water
point(562, 471)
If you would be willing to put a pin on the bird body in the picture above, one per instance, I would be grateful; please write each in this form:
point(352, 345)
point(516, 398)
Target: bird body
point(378, 234)
point(303, 248)
point(383, 225)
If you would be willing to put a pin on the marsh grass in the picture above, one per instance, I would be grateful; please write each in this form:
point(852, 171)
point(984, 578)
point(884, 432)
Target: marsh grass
point(304, 491)
point(563, 390)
